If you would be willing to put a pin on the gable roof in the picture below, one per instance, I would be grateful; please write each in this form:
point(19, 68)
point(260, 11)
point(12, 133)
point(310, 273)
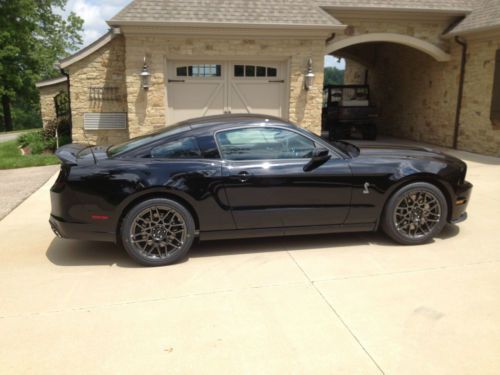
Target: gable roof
point(485, 16)
point(51, 82)
point(236, 13)
point(445, 6)
point(88, 50)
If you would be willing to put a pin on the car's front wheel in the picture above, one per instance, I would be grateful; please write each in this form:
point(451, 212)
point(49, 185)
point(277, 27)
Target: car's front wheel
point(157, 232)
point(415, 214)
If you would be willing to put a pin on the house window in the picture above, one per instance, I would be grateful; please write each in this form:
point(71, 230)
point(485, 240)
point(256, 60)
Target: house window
point(199, 70)
point(495, 95)
point(255, 71)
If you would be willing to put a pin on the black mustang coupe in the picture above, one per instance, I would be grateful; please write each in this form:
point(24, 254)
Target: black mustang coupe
point(236, 176)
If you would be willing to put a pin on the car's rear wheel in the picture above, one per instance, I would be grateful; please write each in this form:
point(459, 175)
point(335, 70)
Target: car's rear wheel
point(157, 232)
point(415, 214)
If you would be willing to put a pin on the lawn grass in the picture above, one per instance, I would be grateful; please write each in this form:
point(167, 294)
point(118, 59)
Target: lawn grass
point(10, 157)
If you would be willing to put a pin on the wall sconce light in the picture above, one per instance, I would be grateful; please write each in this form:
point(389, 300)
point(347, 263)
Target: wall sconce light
point(309, 76)
point(145, 75)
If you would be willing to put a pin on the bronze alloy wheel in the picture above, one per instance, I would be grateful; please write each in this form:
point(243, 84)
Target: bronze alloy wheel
point(158, 232)
point(417, 213)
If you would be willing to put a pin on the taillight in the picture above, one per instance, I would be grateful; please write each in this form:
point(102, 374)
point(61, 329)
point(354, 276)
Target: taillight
point(61, 178)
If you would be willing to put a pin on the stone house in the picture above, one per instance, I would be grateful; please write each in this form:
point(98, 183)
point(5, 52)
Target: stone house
point(433, 66)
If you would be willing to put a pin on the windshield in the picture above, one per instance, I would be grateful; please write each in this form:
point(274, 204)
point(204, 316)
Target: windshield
point(145, 139)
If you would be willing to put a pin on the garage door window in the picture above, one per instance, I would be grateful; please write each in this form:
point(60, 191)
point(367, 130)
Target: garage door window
point(255, 71)
point(199, 70)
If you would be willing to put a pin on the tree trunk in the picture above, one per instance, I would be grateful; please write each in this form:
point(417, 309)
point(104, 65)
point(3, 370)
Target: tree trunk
point(7, 116)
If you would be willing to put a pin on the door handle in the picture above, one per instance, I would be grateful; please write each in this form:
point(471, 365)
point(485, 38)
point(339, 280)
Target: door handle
point(243, 176)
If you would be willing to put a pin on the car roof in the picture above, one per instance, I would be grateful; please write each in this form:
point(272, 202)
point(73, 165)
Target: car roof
point(230, 120)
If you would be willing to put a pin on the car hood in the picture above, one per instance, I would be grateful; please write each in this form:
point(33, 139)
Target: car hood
point(400, 151)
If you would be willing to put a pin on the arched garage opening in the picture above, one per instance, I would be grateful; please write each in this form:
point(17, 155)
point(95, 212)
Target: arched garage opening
point(408, 82)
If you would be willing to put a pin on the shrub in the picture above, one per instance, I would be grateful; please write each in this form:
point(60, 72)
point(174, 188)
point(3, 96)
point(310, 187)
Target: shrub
point(45, 139)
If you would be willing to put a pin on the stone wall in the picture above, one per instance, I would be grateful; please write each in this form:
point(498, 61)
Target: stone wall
point(47, 106)
point(147, 109)
point(416, 95)
point(354, 73)
point(103, 68)
point(477, 133)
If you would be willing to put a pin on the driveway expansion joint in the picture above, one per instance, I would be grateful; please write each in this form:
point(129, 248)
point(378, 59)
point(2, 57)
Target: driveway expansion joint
point(151, 300)
point(336, 314)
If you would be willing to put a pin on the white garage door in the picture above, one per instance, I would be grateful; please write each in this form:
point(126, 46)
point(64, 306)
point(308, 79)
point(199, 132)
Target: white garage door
point(196, 89)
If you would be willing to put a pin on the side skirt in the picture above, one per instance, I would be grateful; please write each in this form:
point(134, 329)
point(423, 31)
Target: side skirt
point(286, 231)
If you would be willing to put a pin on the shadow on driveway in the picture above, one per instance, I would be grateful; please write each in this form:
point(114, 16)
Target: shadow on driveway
point(89, 253)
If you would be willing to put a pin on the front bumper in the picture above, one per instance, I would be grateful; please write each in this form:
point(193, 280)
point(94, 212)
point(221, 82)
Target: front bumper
point(63, 229)
point(460, 203)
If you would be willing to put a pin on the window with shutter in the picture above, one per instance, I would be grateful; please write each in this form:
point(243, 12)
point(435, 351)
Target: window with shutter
point(495, 95)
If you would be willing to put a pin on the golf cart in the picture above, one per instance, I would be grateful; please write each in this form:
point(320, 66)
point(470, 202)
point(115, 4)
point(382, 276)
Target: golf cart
point(348, 113)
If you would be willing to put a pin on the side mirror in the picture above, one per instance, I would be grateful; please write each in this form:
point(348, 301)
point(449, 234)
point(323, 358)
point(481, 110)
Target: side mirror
point(319, 156)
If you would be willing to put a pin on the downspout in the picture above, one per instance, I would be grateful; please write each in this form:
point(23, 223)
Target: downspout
point(463, 61)
point(63, 72)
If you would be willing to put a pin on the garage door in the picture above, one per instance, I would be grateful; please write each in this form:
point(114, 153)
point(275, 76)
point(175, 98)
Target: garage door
point(196, 89)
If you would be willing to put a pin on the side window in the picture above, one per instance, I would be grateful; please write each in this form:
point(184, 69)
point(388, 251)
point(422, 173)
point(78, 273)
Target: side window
point(184, 148)
point(263, 143)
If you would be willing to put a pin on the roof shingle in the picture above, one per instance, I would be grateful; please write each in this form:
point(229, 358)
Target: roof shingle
point(236, 12)
point(486, 15)
point(455, 6)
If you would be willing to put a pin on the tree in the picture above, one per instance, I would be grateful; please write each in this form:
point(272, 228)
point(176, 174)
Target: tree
point(333, 76)
point(33, 37)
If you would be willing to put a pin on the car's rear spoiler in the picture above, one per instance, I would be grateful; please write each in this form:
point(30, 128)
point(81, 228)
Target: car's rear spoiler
point(68, 154)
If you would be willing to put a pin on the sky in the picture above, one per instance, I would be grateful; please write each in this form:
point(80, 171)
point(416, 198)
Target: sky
point(96, 12)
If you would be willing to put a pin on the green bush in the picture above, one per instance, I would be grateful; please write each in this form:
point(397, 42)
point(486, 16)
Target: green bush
point(45, 139)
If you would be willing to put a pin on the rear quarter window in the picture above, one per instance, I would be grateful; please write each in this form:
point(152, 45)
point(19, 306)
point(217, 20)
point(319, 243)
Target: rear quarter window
point(184, 148)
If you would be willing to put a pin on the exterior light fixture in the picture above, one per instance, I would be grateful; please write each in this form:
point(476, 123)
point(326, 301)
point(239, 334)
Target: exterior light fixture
point(145, 75)
point(309, 76)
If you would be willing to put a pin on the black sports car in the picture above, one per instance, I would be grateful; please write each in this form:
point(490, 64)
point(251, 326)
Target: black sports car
point(235, 176)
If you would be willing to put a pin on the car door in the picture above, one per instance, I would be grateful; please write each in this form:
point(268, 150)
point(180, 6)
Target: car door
point(266, 184)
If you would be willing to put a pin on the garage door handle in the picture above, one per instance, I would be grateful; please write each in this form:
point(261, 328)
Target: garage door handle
point(276, 81)
point(243, 176)
point(176, 80)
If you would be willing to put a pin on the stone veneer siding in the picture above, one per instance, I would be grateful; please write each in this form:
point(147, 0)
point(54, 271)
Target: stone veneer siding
point(103, 68)
point(147, 109)
point(417, 95)
point(477, 132)
point(47, 105)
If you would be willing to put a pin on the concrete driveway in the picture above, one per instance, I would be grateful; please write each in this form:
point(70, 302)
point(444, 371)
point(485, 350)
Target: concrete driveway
point(10, 136)
point(330, 304)
point(18, 184)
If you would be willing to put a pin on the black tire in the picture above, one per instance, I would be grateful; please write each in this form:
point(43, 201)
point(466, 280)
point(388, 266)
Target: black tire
point(418, 205)
point(147, 237)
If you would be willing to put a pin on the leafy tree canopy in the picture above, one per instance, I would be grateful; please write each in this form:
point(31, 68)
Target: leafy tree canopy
point(333, 76)
point(33, 37)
